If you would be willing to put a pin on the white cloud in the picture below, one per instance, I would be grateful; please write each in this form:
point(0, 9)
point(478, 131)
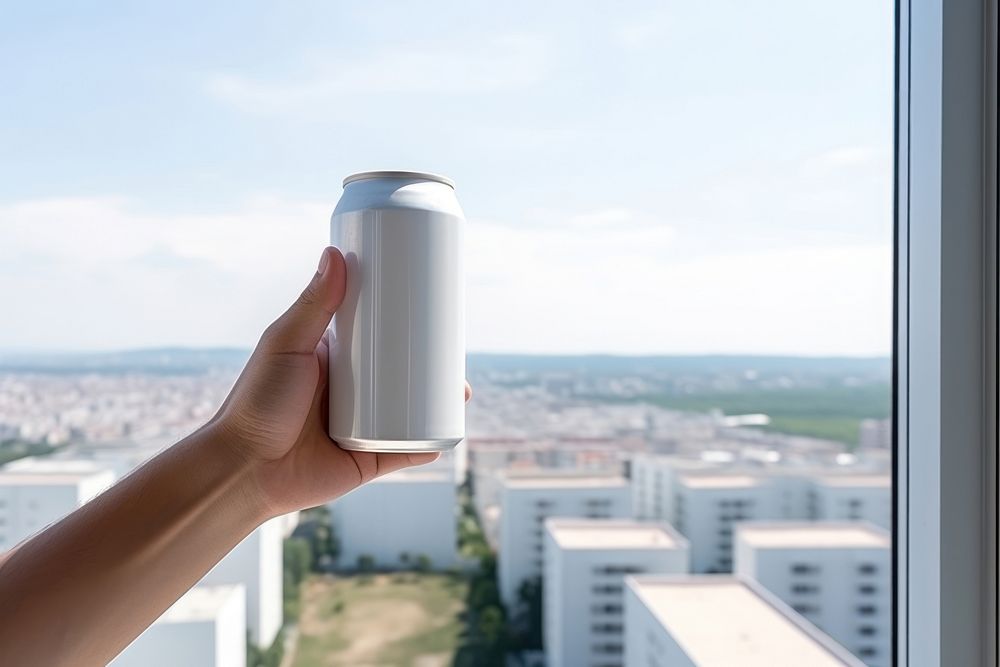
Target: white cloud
point(103, 273)
point(535, 289)
point(490, 65)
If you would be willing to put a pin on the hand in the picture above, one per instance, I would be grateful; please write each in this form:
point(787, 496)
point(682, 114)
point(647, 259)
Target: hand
point(275, 418)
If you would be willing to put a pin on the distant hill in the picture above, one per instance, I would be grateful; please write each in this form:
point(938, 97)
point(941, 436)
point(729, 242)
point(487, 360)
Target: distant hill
point(166, 360)
point(711, 364)
point(191, 360)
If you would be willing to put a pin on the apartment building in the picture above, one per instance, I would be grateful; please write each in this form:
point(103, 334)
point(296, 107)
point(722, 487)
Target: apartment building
point(709, 506)
point(586, 561)
point(853, 498)
point(409, 512)
point(837, 575)
point(527, 502)
point(697, 621)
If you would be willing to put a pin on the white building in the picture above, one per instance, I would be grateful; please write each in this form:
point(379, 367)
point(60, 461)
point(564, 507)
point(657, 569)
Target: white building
point(32, 498)
point(708, 506)
point(409, 512)
point(719, 621)
point(206, 627)
point(654, 483)
point(853, 498)
point(255, 563)
point(835, 574)
point(525, 505)
point(586, 561)
point(875, 434)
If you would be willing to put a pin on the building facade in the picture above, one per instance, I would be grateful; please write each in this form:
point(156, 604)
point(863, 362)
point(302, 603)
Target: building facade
point(525, 505)
point(708, 507)
point(835, 574)
point(397, 518)
point(586, 561)
point(853, 498)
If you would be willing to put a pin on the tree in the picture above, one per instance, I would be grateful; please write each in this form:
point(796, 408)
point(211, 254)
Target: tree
point(484, 593)
point(366, 563)
point(528, 617)
point(404, 559)
point(491, 626)
point(297, 558)
point(423, 563)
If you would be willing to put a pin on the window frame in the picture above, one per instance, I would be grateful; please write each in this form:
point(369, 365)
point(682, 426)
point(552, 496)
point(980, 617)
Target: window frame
point(945, 325)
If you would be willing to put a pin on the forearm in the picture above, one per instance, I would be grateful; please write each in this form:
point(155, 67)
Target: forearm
point(78, 592)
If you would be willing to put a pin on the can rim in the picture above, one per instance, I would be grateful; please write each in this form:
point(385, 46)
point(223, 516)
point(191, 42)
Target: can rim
point(392, 173)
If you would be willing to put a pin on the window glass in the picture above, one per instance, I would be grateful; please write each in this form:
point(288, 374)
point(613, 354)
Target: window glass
point(678, 262)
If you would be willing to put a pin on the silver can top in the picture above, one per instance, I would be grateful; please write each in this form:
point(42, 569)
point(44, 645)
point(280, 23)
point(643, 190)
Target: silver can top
point(403, 175)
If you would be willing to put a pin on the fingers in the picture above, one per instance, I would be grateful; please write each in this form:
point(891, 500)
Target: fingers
point(391, 462)
point(468, 392)
point(302, 326)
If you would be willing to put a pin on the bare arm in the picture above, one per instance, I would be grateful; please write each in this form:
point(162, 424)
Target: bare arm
point(78, 592)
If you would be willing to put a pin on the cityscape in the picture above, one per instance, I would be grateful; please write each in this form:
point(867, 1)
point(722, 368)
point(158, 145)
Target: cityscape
point(603, 512)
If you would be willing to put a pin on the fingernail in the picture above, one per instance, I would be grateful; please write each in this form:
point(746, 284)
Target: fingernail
point(324, 261)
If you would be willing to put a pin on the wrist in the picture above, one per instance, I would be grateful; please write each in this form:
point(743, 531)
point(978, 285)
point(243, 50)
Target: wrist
point(236, 472)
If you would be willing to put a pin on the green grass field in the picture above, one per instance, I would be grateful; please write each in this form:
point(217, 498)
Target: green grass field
point(404, 620)
point(833, 413)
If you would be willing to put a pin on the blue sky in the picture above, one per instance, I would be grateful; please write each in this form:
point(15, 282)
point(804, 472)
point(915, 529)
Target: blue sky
point(639, 177)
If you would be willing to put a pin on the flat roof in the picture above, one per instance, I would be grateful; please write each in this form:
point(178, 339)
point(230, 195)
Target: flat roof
point(612, 534)
point(856, 480)
point(13, 478)
point(719, 481)
point(417, 476)
point(817, 534)
point(720, 621)
point(564, 482)
point(201, 603)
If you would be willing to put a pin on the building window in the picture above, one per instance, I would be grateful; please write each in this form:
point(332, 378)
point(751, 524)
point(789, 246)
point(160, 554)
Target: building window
point(804, 568)
point(804, 588)
point(618, 569)
point(866, 609)
point(606, 608)
point(867, 589)
point(867, 652)
point(867, 568)
point(607, 589)
point(609, 648)
point(867, 631)
point(606, 628)
point(805, 608)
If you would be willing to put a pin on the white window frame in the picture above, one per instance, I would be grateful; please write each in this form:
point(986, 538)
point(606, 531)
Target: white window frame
point(945, 362)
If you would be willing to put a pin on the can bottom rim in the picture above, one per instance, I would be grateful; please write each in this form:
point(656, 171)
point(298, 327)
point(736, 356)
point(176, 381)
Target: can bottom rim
point(399, 446)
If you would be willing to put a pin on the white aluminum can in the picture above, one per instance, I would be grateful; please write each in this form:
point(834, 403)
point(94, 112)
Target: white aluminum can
point(397, 343)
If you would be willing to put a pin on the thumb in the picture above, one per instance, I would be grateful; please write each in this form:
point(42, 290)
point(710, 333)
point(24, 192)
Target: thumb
point(300, 328)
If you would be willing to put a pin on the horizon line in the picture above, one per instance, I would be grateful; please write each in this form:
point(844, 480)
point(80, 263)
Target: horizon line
point(8, 352)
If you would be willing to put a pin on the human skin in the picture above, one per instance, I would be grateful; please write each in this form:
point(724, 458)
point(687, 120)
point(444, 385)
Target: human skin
point(81, 590)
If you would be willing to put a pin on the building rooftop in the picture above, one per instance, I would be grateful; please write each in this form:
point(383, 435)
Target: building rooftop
point(816, 535)
point(15, 478)
point(856, 480)
point(439, 475)
point(719, 481)
point(201, 603)
point(564, 482)
point(719, 621)
point(613, 534)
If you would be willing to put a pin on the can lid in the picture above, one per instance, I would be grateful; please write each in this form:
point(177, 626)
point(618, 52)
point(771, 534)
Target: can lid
point(410, 175)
